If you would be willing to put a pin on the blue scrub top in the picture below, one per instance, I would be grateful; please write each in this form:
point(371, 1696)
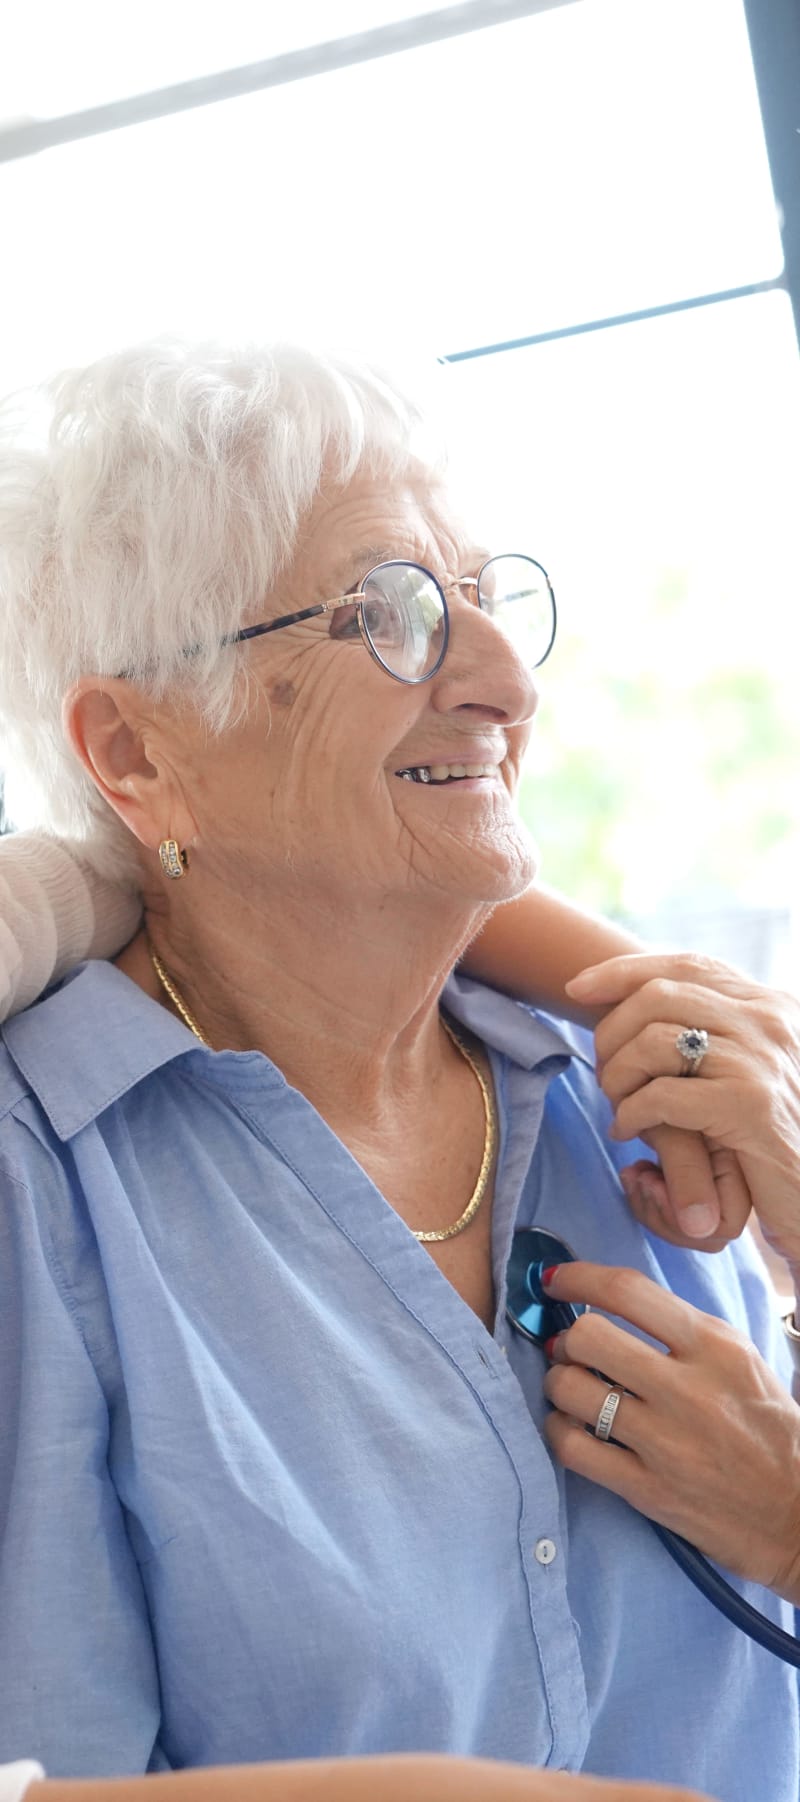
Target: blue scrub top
point(268, 1487)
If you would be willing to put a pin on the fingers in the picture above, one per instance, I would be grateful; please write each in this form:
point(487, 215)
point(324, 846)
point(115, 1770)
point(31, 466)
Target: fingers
point(698, 1198)
point(686, 1198)
point(659, 1009)
point(653, 1051)
point(630, 1296)
point(696, 1106)
point(579, 1394)
point(609, 983)
point(613, 1466)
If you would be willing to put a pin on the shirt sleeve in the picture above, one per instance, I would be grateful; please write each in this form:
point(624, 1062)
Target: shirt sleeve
point(14, 1778)
point(78, 1676)
point(54, 912)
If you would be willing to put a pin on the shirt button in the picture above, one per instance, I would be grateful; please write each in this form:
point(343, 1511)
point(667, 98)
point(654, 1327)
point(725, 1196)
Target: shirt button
point(544, 1551)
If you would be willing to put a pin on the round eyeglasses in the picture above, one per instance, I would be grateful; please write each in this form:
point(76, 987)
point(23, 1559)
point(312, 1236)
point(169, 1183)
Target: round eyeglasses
point(400, 613)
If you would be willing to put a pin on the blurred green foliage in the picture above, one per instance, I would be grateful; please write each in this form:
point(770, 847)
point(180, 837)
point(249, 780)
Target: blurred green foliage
point(662, 772)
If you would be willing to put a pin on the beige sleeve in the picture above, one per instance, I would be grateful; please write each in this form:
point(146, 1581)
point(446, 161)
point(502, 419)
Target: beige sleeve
point(54, 911)
point(15, 1778)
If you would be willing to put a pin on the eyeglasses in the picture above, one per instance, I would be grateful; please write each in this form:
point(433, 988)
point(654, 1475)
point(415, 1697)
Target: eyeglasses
point(400, 613)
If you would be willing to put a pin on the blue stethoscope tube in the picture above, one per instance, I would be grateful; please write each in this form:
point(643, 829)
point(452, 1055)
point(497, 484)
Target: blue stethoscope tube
point(537, 1316)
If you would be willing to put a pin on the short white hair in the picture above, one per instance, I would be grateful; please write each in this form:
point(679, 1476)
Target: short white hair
point(147, 504)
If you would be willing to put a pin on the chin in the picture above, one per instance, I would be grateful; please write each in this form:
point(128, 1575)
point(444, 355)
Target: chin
point(504, 872)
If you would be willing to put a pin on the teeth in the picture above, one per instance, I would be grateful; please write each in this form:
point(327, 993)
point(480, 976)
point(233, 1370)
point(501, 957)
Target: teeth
point(439, 772)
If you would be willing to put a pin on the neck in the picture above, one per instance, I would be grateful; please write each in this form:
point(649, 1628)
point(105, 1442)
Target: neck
point(346, 1010)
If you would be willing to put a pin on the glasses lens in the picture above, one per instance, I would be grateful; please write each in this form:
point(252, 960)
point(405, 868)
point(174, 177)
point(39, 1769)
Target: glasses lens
point(516, 594)
point(403, 614)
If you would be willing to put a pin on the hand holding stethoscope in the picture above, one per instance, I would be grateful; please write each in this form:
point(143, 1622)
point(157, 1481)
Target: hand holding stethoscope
point(705, 1441)
point(661, 1458)
point(744, 1096)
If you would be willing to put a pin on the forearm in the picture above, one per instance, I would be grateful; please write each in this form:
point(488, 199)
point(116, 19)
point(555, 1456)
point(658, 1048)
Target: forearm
point(533, 946)
point(303, 1780)
point(425, 1777)
point(421, 1776)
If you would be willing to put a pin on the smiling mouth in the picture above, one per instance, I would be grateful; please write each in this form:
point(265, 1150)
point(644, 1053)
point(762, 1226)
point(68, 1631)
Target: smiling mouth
point(440, 774)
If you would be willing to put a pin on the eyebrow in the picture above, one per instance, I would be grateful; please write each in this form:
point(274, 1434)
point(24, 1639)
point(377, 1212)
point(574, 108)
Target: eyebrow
point(351, 573)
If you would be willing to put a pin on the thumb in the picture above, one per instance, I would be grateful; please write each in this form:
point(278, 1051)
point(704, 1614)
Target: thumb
point(691, 1202)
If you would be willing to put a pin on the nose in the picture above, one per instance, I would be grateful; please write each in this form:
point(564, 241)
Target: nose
point(482, 670)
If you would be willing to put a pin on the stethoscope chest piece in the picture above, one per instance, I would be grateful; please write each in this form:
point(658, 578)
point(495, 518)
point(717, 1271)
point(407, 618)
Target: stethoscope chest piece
point(529, 1310)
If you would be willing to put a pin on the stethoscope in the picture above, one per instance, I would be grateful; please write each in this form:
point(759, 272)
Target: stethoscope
point(537, 1316)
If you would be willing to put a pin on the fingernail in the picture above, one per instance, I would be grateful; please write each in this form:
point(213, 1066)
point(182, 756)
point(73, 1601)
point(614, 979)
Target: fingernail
point(549, 1347)
point(699, 1220)
point(548, 1274)
point(584, 981)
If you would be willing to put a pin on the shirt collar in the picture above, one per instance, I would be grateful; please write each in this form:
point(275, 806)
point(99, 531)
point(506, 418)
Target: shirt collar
point(525, 1035)
point(91, 1040)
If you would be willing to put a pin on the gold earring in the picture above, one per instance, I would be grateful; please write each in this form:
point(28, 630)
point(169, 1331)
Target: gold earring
point(174, 861)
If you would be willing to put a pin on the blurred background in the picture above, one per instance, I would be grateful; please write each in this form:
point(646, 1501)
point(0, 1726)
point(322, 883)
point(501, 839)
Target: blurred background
point(578, 206)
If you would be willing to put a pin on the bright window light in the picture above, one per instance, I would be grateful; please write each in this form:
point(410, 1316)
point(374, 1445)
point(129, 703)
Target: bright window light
point(602, 157)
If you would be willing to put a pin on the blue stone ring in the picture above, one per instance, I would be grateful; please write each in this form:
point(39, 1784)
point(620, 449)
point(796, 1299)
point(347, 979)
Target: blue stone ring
point(692, 1044)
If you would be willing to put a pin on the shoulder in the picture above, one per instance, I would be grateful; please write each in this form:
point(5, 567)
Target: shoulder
point(83, 1046)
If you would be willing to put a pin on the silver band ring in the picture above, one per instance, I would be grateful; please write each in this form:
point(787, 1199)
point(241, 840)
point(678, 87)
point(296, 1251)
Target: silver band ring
point(692, 1044)
point(605, 1419)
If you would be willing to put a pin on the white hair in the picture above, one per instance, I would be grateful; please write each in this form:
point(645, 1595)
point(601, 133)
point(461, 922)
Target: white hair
point(152, 514)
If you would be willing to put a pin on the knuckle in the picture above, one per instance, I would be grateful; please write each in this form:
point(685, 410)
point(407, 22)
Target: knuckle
point(730, 1340)
point(563, 1384)
point(623, 1288)
point(652, 1042)
point(709, 968)
point(659, 991)
point(580, 1338)
point(565, 1439)
point(699, 970)
point(783, 1025)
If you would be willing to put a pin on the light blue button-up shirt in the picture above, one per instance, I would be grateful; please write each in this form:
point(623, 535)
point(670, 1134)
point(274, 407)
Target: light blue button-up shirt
point(268, 1487)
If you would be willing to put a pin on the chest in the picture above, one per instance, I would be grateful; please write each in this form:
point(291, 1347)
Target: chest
point(466, 1262)
point(434, 1198)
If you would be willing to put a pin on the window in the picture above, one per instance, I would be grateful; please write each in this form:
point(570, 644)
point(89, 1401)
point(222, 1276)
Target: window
point(595, 159)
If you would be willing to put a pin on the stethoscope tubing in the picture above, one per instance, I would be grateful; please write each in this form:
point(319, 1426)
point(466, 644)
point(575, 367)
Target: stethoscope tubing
point(537, 1317)
point(742, 1614)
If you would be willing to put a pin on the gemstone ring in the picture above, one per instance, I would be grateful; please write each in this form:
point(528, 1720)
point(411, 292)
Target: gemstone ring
point(692, 1044)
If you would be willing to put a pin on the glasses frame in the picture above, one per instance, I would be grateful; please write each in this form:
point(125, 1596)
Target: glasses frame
point(358, 597)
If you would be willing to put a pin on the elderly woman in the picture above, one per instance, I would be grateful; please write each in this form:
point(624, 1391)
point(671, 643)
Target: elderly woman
point(275, 1483)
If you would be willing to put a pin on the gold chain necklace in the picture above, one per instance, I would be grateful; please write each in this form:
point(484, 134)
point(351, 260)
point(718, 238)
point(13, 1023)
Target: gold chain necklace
point(490, 1125)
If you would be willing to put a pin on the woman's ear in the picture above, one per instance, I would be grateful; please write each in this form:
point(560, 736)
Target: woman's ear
point(110, 726)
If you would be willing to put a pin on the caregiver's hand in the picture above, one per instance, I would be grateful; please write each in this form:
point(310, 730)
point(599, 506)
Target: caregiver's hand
point(745, 1096)
point(707, 1441)
point(693, 1196)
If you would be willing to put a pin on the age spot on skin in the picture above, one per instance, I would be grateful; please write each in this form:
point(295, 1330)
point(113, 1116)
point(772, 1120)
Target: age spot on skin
point(282, 692)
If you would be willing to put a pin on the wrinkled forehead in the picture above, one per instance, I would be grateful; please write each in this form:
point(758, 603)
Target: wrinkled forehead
point(373, 519)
